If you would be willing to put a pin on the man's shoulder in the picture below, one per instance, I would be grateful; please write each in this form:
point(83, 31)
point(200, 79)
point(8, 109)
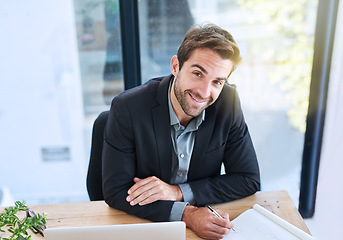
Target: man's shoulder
point(228, 94)
point(143, 94)
point(229, 88)
point(149, 85)
point(227, 102)
point(142, 90)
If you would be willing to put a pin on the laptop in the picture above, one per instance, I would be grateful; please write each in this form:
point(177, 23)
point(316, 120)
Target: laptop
point(141, 231)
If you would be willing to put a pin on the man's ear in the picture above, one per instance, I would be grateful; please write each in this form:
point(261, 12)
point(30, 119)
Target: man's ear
point(174, 65)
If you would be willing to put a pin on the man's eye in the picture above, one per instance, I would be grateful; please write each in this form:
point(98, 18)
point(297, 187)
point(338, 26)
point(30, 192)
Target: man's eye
point(197, 74)
point(218, 82)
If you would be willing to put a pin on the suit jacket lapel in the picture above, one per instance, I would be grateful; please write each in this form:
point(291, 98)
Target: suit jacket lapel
point(202, 139)
point(161, 122)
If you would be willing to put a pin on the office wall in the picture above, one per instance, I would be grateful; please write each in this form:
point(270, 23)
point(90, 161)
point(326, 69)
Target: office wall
point(327, 220)
point(41, 138)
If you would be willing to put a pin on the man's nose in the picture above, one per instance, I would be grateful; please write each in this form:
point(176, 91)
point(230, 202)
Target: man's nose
point(205, 90)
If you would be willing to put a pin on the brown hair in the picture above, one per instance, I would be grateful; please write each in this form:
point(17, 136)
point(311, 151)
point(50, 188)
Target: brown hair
point(212, 37)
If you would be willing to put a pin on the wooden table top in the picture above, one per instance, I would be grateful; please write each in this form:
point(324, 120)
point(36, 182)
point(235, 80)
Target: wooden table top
point(95, 213)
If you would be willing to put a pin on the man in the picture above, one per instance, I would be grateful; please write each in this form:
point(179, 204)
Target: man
point(166, 140)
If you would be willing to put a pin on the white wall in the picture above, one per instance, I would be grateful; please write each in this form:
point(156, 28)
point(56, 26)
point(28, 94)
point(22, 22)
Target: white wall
point(328, 218)
point(40, 101)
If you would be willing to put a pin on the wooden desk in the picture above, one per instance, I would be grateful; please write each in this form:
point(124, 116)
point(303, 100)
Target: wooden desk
point(99, 213)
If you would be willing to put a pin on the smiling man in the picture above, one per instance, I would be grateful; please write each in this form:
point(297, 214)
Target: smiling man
point(166, 140)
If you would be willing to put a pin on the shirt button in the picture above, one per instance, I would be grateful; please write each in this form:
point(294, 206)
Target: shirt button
point(180, 174)
point(182, 155)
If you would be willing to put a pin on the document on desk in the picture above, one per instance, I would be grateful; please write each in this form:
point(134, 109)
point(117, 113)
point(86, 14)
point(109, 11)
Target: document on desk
point(259, 223)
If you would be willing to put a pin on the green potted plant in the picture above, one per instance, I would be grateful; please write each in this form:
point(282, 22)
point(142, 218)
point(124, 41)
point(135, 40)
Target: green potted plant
point(18, 227)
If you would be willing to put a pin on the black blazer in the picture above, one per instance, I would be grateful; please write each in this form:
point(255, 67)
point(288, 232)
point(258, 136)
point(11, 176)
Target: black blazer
point(138, 144)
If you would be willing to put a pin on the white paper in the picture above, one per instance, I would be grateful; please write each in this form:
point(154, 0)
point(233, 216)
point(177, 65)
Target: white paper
point(258, 223)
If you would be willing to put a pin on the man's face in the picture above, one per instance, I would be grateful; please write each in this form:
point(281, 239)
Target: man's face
point(199, 82)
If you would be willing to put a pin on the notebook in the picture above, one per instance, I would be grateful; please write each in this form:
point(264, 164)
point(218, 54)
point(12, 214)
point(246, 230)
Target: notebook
point(258, 223)
point(142, 231)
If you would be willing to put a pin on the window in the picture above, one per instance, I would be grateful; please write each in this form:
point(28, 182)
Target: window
point(100, 53)
point(276, 41)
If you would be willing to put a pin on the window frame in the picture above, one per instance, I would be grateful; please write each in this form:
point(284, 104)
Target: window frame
point(323, 45)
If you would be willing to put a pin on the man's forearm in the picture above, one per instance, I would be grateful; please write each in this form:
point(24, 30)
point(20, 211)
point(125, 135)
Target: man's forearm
point(158, 211)
point(147, 194)
point(223, 188)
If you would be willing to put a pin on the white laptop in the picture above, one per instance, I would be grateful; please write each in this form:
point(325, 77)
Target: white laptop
point(141, 231)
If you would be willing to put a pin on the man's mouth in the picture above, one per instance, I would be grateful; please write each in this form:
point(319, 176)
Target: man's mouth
point(196, 99)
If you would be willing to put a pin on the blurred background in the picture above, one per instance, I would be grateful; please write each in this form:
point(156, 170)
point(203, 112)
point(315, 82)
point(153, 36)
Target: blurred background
point(61, 64)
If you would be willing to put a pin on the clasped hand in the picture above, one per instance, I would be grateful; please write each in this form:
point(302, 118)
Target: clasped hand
point(152, 189)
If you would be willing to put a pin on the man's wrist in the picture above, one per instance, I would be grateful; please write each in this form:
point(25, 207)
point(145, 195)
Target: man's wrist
point(179, 195)
point(187, 212)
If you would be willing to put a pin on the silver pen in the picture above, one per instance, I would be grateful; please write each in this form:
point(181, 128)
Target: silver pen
point(217, 214)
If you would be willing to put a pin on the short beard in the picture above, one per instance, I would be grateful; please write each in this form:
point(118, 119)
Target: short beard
point(181, 98)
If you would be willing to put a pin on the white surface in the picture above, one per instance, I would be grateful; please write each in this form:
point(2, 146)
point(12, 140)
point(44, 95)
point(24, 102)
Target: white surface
point(260, 224)
point(6, 198)
point(40, 101)
point(144, 231)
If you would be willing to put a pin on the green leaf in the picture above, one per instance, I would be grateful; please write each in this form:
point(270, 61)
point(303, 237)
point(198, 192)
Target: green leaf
point(18, 227)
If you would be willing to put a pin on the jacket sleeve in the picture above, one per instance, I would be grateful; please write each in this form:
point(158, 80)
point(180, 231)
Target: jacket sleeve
point(119, 166)
point(242, 177)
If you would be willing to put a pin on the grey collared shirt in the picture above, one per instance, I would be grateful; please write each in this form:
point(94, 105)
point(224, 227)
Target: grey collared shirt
point(183, 139)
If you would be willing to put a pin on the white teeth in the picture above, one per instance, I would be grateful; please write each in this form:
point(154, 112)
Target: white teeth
point(195, 98)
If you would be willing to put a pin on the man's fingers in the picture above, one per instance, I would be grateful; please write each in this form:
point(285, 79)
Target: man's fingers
point(150, 199)
point(219, 229)
point(143, 194)
point(223, 224)
point(139, 183)
point(145, 197)
point(136, 179)
point(152, 189)
point(215, 235)
point(223, 214)
point(140, 194)
point(210, 235)
point(224, 221)
point(205, 224)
